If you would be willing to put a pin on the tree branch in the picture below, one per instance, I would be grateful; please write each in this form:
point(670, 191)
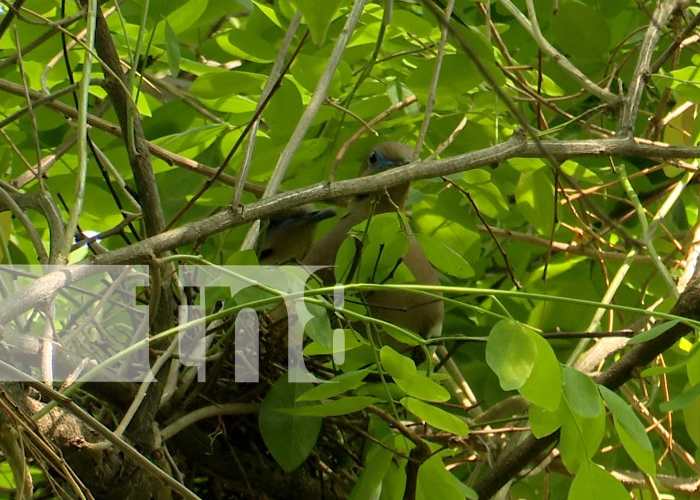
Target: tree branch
point(641, 70)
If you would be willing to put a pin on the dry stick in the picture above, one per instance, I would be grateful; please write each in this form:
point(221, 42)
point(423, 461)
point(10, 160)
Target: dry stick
point(533, 29)
point(118, 229)
point(364, 72)
point(113, 129)
point(656, 65)
point(460, 387)
point(32, 233)
point(9, 16)
point(641, 71)
point(444, 144)
point(208, 412)
point(44, 37)
point(433, 83)
point(279, 69)
point(30, 108)
point(162, 303)
point(235, 216)
point(60, 255)
point(481, 67)
point(252, 124)
point(90, 421)
point(139, 155)
point(97, 110)
point(354, 137)
point(561, 247)
point(352, 114)
point(488, 228)
point(418, 455)
point(317, 99)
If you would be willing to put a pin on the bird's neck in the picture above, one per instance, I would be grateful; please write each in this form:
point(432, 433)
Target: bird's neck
point(388, 200)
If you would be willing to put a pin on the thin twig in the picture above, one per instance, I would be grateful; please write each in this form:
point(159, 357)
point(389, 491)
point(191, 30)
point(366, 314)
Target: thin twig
point(641, 71)
point(503, 253)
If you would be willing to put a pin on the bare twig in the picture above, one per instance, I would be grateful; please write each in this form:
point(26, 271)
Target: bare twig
point(317, 99)
point(641, 71)
point(533, 29)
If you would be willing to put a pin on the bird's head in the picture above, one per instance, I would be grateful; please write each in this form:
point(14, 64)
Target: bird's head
point(386, 155)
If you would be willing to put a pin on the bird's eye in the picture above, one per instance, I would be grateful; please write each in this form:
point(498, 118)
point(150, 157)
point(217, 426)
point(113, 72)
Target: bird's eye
point(373, 159)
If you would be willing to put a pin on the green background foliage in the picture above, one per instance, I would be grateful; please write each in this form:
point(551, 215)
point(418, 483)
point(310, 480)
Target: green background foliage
point(596, 242)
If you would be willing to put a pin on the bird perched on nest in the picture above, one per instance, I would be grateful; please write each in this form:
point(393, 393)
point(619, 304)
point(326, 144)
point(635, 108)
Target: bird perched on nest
point(418, 313)
point(289, 234)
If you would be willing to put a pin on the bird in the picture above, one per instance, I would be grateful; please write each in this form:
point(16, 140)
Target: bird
point(290, 233)
point(418, 313)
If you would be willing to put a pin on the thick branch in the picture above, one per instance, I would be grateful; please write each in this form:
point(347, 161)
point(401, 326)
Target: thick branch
point(516, 147)
point(139, 155)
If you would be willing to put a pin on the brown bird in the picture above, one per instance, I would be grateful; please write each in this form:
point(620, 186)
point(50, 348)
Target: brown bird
point(415, 312)
point(289, 234)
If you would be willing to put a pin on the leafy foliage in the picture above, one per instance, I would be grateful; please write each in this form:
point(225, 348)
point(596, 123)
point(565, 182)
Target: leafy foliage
point(537, 250)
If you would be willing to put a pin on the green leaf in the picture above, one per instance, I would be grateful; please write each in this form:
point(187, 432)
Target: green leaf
point(318, 16)
point(485, 193)
point(377, 465)
point(581, 394)
point(581, 31)
point(307, 70)
point(291, 447)
point(412, 23)
point(436, 417)
point(216, 84)
point(185, 16)
point(511, 352)
point(191, 142)
point(693, 365)
point(592, 482)
point(333, 408)
point(655, 371)
point(337, 385)
point(580, 438)
point(421, 387)
point(652, 333)
point(583, 419)
point(172, 48)
point(435, 481)
point(444, 258)
point(393, 484)
point(397, 365)
point(631, 431)
point(284, 110)
point(351, 341)
point(526, 165)
point(457, 77)
point(691, 419)
point(578, 171)
point(534, 196)
point(544, 422)
point(403, 370)
point(318, 328)
point(544, 385)
point(383, 243)
point(680, 402)
point(250, 46)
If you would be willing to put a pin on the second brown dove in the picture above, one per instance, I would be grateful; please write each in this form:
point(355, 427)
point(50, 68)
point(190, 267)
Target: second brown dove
point(415, 312)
